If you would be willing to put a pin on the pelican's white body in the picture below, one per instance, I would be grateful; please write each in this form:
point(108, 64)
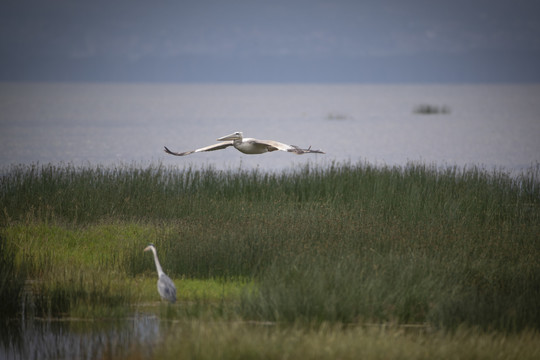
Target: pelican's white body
point(254, 146)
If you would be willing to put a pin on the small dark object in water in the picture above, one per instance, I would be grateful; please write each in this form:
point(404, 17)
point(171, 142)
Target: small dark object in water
point(431, 109)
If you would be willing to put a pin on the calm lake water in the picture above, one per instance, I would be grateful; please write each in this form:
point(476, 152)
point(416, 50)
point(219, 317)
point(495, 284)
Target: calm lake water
point(109, 124)
point(80, 338)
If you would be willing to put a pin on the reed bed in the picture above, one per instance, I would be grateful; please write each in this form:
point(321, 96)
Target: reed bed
point(345, 243)
point(237, 340)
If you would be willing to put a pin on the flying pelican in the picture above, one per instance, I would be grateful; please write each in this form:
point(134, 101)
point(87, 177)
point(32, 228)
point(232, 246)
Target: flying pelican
point(247, 146)
point(165, 286)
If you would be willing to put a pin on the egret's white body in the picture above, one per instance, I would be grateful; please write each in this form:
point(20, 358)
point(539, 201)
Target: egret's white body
point(247, 146)
point(165, 285)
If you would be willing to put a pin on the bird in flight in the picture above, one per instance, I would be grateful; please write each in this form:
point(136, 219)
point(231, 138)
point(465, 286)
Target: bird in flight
point(248, 146)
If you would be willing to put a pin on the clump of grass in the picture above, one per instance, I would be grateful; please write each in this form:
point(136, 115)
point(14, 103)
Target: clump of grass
point(83, 293)
point(491, 296)
point(238, 340)
point(11, 281)
point(395, 289)
point(344, 290)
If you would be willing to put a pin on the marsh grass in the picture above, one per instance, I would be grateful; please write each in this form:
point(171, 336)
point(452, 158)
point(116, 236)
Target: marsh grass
point(96, 271)
point(238, 340)
point(11, 281)
point(346, 243)
point(82, 294)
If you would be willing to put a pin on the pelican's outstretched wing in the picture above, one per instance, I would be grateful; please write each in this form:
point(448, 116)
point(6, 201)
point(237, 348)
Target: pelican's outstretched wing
point(295, 149)
point(272, 145)
point(276, 145)
point(219, 146)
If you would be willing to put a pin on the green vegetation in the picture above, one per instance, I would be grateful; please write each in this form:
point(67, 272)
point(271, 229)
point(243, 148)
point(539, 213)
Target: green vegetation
point(331, 248)
point(226, 340)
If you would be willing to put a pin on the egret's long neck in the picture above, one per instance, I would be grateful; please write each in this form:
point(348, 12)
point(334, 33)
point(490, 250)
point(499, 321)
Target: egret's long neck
point(158, 265)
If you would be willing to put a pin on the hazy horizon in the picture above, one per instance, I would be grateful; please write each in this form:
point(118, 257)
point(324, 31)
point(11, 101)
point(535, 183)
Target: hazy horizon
point(293, 41)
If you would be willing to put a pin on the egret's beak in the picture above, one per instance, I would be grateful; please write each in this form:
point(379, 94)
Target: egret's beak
point(147, 248)
point(233, 136)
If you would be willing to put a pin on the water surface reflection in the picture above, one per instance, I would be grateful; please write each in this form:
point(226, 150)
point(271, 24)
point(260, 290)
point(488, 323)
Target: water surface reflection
point(79, 338)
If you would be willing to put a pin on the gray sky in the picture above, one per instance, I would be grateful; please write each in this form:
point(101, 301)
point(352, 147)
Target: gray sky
point(384, 41)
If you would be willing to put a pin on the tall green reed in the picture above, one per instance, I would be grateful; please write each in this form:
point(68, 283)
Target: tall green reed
point(87, 194)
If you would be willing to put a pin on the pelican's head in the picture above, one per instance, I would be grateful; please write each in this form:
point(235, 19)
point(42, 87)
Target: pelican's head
point(150, 247)
point(234, 136)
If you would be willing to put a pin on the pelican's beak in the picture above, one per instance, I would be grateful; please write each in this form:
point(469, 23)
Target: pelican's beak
point(233, 136)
